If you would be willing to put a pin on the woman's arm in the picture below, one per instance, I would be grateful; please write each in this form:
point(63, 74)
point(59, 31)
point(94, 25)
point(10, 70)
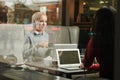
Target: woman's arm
point(89, 55)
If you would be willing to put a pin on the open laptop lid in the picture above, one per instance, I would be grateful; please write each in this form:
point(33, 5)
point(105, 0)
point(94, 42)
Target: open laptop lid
point(68, 57)
point(65, 46)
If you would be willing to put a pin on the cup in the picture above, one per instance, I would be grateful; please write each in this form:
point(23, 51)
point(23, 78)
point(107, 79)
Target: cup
point(47, 62)
point(54, 63)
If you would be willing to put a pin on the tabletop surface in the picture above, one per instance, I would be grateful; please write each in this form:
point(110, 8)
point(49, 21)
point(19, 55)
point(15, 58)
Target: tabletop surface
point(26, 74)
point(54, 68)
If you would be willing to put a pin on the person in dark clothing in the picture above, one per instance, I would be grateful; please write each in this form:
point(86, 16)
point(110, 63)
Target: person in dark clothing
point(101, 45)
point(3, 14)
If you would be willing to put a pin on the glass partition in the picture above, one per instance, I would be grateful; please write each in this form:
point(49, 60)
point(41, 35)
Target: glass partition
point(11, 43)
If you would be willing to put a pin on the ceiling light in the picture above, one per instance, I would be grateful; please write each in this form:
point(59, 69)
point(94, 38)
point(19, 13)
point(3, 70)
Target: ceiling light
point(101, 2)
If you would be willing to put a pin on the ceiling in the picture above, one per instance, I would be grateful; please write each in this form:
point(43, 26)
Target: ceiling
point(32, 4)
point(29, 2)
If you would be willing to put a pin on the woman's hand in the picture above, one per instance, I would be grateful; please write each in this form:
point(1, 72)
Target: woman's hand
point(81, 65)
point(43, 44)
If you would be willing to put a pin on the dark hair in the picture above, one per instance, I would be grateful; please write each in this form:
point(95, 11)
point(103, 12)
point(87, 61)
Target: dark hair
point(105, 23)
point(104, 40)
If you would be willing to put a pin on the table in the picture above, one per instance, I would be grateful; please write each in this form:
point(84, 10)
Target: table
point(20, 73)
point(56, 70)
point(26, 74)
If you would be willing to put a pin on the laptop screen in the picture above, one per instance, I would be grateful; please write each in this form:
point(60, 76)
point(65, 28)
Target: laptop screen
point(62, 46)
point(68, 57)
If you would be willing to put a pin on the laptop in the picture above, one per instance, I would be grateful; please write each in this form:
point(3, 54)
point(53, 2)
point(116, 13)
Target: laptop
point(61, 46)
point(68, 59)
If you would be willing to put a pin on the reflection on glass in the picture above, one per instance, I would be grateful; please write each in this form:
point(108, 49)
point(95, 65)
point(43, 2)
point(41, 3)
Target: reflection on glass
point(11, 59)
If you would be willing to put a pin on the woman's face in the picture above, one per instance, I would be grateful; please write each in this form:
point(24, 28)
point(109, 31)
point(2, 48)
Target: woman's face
point(41, 24)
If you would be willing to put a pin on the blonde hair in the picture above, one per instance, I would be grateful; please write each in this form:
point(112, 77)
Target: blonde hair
point(37, 16)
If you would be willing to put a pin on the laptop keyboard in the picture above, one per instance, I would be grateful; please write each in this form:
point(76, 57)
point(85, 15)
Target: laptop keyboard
point(71, 68)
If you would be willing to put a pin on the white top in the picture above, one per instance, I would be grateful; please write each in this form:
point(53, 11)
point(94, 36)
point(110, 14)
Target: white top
point(32, 51)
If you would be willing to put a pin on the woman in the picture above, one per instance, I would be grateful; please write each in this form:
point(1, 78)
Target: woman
point(101, 45)
point(37, 40)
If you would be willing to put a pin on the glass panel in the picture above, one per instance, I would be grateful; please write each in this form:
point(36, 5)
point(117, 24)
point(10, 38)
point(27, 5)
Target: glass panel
point(20, 11)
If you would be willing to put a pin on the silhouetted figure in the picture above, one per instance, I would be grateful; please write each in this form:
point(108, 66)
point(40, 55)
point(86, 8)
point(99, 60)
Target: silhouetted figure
point(3, 14)
point(101, 45)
